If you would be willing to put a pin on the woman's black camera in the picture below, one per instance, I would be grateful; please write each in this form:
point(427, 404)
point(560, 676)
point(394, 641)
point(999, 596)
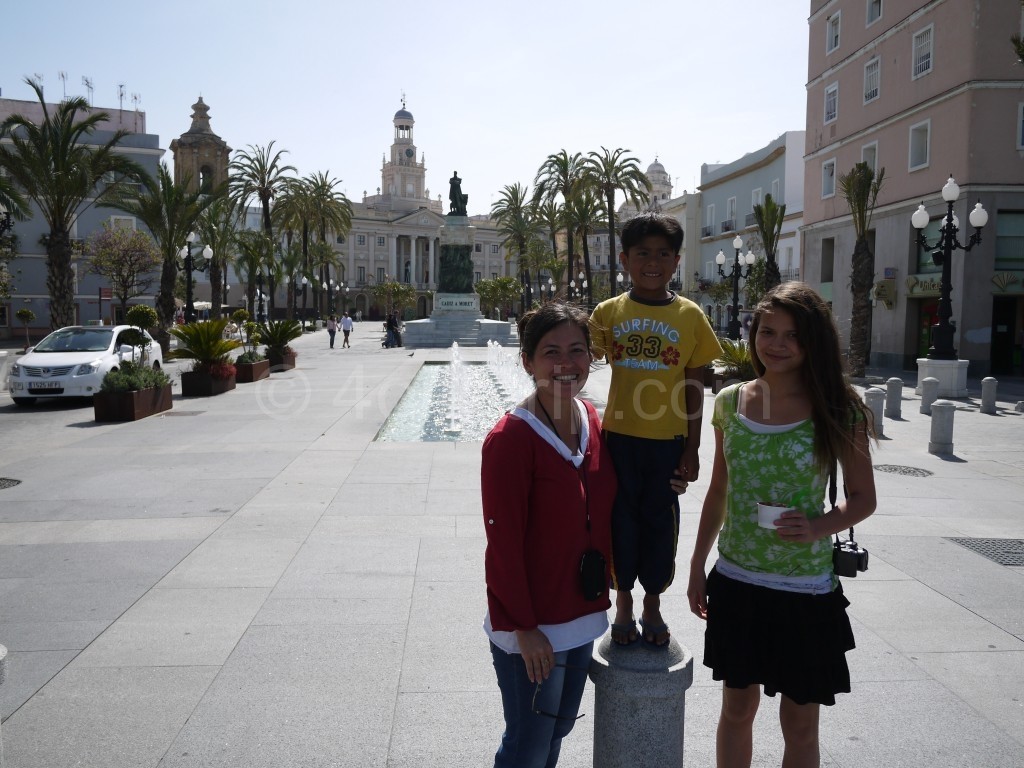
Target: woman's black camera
point(848, 558)
point(592, 574)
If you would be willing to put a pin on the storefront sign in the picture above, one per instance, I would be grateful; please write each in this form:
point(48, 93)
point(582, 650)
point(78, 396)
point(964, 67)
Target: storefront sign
point(919, 286)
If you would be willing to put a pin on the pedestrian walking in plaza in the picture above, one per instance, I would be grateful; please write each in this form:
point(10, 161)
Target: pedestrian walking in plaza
point(547, 485)
point(346, 329)
point(332, 329)
point(775, 610)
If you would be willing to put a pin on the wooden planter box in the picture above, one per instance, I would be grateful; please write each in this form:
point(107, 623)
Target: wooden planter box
point(247, 373)
point(199, 384)
point(131, 406)
point(283, 362)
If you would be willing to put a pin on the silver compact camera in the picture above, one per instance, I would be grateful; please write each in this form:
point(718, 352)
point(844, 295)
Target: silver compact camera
point(848, 557)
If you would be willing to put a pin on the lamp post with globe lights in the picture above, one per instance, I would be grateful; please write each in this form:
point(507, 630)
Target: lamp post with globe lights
point(735, 275)
point(191, 266)
point(942, 254)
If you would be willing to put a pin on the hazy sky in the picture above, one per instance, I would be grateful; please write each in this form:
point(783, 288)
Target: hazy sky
point(494, 87)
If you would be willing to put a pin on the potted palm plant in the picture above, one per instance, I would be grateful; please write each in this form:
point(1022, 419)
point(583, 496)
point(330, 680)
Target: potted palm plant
point(204, 344)
point(276, 334)
point(735, 364)
point(134, 390)
point(251, 365)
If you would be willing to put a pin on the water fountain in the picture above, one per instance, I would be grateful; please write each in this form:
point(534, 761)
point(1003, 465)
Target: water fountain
point(459, 400)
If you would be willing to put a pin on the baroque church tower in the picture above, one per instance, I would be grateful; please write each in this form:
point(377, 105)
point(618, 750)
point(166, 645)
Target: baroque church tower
point(200, 154)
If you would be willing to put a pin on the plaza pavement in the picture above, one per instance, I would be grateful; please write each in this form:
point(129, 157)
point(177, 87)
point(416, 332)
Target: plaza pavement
point(252, 581)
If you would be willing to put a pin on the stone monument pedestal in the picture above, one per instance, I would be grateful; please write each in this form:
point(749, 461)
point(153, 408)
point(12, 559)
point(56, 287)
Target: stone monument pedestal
point(952, 376)
point(456, 314)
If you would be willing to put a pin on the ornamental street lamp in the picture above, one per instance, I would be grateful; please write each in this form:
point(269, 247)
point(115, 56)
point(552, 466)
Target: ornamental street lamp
point(942, 255)
point(295, 297)
point(191, 265)
point(330, 297)
point(227, 289)
point(305, 282)
point(735, 274)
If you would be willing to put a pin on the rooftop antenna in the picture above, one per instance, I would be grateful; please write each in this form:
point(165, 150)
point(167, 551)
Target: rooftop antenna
point(87, 82)
point(63, 82)
point(120, 98)
point(136, 99)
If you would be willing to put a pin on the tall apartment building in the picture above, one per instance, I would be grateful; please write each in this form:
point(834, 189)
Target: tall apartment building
point(728, 194)
point(28, 267)
point(925, 90)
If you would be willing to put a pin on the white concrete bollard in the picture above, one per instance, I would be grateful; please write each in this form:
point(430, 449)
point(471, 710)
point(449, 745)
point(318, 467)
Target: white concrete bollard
point(639, 704)
point(942, 427)
point(894, 398)
point(929, 391)
point(874, 398)
point(988, 394)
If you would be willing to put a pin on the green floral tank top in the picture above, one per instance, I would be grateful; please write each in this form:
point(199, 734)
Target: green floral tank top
point(776, 467)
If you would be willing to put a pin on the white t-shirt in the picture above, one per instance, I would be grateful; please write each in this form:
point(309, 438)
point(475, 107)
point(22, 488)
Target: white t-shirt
point(346, 323)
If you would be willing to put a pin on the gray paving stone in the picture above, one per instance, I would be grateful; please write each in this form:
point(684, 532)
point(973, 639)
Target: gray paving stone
point(104, 718)
point(234, 562)
point(27, 672)
point(177, 628)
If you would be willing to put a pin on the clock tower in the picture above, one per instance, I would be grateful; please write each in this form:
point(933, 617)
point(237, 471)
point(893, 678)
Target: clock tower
point(403, 178)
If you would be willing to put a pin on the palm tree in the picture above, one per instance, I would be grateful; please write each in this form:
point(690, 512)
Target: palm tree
point(257, 172)
point(217, 227)
point(550, 216)
point(170, 211)
point(295, 213)
point(12, 201)
point(609, 172)
point(517, 224)
point(559, 174)
point(63, 175)
point(254, 254)
point(584, 213)
point(331, 211)
point(860, 188)
point(769, 218)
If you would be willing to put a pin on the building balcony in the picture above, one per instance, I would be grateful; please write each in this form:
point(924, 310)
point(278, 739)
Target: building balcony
point(729, 225)
point(751, 220)
point(708, 231)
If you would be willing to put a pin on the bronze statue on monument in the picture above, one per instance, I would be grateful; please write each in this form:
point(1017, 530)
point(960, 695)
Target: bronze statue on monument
point(456, 199)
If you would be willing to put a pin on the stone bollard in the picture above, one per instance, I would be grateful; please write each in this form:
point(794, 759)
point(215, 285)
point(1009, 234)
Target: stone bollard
point(639, 704)
point(894, 398)
point(3, 676)
point(874, 399)
point(929, 391)
point(942, 427)
point(988, 394)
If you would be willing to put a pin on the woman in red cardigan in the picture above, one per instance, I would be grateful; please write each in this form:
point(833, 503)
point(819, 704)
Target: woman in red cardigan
point(548, 486)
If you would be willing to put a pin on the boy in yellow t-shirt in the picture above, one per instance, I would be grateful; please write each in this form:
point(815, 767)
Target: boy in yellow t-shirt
point(657, 343)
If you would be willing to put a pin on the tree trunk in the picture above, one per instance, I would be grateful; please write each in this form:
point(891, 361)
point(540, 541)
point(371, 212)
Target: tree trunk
point(165, 302)
point(610, 200)
point(215, 289)
point(60, 280)
point(862, 274)
point(772, 276)
point(587, 271)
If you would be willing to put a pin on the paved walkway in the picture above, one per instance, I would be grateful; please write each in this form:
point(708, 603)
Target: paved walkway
point(251, 580)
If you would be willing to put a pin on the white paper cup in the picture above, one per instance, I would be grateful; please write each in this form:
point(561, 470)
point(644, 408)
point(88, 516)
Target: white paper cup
point(767, 514)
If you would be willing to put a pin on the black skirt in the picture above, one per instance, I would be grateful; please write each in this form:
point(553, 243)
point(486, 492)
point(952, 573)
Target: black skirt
point(791, 643)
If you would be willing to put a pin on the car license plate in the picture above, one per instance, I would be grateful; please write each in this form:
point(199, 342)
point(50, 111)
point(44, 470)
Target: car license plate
point(46, 385)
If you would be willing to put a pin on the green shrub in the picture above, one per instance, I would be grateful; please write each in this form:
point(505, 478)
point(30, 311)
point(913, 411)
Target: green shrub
point(250, 357)
point(735, 361)
point(277, 333)
point(205, 345)
point(133, 377)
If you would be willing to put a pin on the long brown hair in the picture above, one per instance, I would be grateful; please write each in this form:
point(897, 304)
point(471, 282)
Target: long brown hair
point(835, 405)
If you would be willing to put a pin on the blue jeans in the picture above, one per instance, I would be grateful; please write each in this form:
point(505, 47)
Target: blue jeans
point(534, 740)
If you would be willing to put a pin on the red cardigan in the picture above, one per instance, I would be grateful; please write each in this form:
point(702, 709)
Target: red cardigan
point(535, 505)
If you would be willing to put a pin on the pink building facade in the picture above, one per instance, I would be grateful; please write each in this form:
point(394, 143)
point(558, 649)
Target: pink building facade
point(924, 90)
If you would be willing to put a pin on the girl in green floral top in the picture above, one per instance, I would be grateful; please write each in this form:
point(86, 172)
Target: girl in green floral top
point(776, 614)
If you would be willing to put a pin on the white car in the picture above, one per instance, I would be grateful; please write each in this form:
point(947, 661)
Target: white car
point(72, 362)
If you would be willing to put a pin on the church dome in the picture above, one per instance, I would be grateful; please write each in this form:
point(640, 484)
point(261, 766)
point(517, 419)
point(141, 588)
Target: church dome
point(655, 167)
point(403, 114)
